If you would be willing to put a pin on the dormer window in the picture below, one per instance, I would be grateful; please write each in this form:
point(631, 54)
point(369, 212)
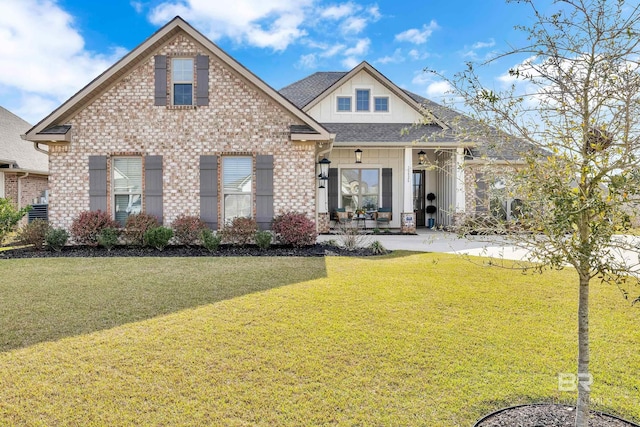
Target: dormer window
point(362, 99)
point(182, 81)
point(381, 104)
point(344, 103)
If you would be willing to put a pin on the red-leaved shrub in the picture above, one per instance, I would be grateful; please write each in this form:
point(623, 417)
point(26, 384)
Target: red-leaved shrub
point(187, 229)
point(137, 225)
point(295, 229)
point(241, 231)
point(86, 227)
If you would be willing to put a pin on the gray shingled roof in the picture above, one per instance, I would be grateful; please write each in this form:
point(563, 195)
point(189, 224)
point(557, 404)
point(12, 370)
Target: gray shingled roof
point(304, 91)
point(380, 132)
point(461, 130)
point(14, 150)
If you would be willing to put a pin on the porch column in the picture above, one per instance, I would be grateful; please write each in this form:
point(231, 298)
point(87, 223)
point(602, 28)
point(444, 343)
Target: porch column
point(407, 220)
point(460, 187)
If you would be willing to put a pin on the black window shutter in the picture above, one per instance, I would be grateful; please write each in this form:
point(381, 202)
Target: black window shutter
point(161, 80)
point(332, 191)
point(98, 182)
point(209, 190)
point(264, 191)
point(153, 186)
point(202, 80)
point(387, 187)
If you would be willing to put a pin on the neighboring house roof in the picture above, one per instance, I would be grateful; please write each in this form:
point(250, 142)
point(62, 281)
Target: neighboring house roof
point(15, 152)
point(52, 128)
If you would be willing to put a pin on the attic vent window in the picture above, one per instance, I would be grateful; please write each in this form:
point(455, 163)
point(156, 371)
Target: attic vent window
point(182, 81)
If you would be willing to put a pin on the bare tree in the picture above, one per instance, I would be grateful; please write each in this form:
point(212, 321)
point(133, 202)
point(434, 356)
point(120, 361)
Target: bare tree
point(571, 108)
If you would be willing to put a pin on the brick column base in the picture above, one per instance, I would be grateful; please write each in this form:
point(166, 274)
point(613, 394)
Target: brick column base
point(324, 225)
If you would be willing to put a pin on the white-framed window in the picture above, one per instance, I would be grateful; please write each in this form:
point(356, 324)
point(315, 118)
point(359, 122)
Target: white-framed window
point(381, 103)
point(182, 81)
point(344, 103)
point(360, 188)
point(237, 185)
point(126, 191)
point(362, 99)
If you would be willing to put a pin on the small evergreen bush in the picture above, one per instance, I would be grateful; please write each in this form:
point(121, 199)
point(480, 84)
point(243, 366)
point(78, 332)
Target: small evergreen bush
point(210, 240)
point(377, 248)
point(9, 217)
point(108, 238)
point(56, 238)
point(137, 225)
point(187, 229)
point(34, 234)
point(295, 229)
point(263, 239)
point(86, 228)
point(241, 231)
point(158, 237)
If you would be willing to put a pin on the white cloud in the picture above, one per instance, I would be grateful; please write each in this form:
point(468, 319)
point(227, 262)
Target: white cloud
point(416, 55)
point(138, 6)
point(307, 61)
point(44, 67)
point(438, 89)
point(470, 52)
point(361, 48)
point(350, 62)
point(339, 11)
point(484, 45)
point(417, 36)
point(262, 23)
point(332, 51)
point(354, 25)
point(396, 58)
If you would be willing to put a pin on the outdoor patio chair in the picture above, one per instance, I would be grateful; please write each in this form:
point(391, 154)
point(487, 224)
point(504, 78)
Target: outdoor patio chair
point(342, 217)
point(383, 216)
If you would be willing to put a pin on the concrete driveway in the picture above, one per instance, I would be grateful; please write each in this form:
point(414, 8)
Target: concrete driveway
point(440, 241)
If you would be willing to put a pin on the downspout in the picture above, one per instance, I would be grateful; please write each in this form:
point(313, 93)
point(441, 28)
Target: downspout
point(20, 189)
point(36, 146)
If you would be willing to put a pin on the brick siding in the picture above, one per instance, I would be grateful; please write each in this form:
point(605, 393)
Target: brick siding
point(123, 119)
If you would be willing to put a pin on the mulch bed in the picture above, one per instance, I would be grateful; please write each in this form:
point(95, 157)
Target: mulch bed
point(183, 251)
point(547, 415)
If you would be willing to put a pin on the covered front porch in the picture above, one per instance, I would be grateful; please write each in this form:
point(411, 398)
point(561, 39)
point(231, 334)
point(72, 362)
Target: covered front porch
point(361, 182)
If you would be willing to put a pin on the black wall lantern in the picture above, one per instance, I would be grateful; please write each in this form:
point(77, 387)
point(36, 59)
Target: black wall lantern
point(324, 171)
point(422, 157)
point(358, 155)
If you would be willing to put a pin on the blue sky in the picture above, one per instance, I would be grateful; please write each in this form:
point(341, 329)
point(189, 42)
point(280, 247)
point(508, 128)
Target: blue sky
point(50, 49)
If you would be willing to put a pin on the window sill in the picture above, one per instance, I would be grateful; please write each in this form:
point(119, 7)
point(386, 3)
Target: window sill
point(181, 107)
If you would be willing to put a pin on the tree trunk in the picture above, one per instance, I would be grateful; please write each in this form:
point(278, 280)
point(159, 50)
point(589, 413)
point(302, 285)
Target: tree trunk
point(584, 379)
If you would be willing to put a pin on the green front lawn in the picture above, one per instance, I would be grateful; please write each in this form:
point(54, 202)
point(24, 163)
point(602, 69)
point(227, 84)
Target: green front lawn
point(419, 340)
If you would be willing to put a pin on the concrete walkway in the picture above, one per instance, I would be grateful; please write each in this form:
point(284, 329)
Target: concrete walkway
point(441, 241)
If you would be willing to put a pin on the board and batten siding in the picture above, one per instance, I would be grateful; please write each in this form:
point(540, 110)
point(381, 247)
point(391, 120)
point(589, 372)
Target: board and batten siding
point(399, 111)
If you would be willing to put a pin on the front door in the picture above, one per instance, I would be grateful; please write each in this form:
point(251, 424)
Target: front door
point(418, 197)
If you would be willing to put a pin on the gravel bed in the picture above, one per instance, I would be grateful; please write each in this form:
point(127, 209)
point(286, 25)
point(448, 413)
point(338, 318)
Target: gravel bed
point(547, 415)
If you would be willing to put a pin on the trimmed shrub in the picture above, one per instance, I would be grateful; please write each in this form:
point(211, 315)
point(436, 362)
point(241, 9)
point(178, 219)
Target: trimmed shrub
point(108, 238)
point(137, 225)
point(86, 228)
point(377, 248)
point(210, 240)
point(241, 231)
point(34, 234)
point(56, 238)
point(187, 229)
point(9, 217)
point(158, 237)
point(263, 239)
point(295, 229)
